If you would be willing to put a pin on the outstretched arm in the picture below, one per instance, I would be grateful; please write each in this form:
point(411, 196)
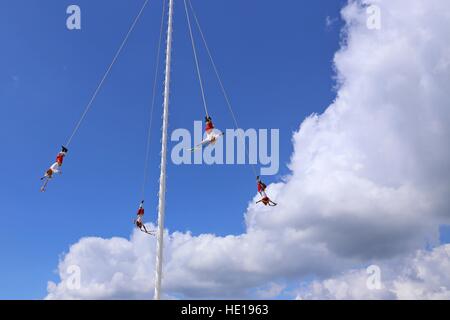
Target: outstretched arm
point(198, 146)
point(204, 142)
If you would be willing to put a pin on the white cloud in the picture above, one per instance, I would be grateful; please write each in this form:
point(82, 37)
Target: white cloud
point(369, 179)
point(270, 291)
point(108, 267)
point(425, 276)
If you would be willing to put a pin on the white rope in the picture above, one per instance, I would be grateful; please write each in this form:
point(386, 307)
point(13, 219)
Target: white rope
point(88, 106)
point(196, 59)
point(155, 80)
point(222, 87)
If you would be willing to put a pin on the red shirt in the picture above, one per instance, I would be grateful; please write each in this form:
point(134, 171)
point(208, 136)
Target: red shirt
point(209, 126)
point(261, 187)
point(140, 211)
point(60, 158)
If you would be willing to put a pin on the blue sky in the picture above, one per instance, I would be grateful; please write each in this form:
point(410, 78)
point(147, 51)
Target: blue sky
point(276, 63)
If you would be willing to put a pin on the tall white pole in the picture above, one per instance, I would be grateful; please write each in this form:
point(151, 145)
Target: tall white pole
point(162, 178)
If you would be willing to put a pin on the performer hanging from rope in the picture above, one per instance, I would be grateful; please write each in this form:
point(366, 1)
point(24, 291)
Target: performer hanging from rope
point(54, 168)
point(262, 191)
point(261, 186)
point(61, 155)
point(209, 126)
point(211, 136)
point(138, 221)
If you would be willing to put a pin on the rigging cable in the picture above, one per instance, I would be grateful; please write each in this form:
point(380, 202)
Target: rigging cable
point(196, 59)
point(88, 106)
point(155, 80)
point(222, 87)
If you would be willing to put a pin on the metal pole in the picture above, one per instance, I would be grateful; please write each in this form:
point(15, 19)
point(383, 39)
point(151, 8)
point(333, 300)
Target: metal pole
point(162, 179)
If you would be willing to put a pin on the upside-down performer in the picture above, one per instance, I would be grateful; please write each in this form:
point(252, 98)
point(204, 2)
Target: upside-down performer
point(138, 221)
point(211, 136)
point(54, 168)
point(262, 191)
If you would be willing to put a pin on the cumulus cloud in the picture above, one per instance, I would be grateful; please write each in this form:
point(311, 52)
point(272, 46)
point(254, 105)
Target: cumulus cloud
point(368, 182)
point(113, 268)
point(423, 276)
